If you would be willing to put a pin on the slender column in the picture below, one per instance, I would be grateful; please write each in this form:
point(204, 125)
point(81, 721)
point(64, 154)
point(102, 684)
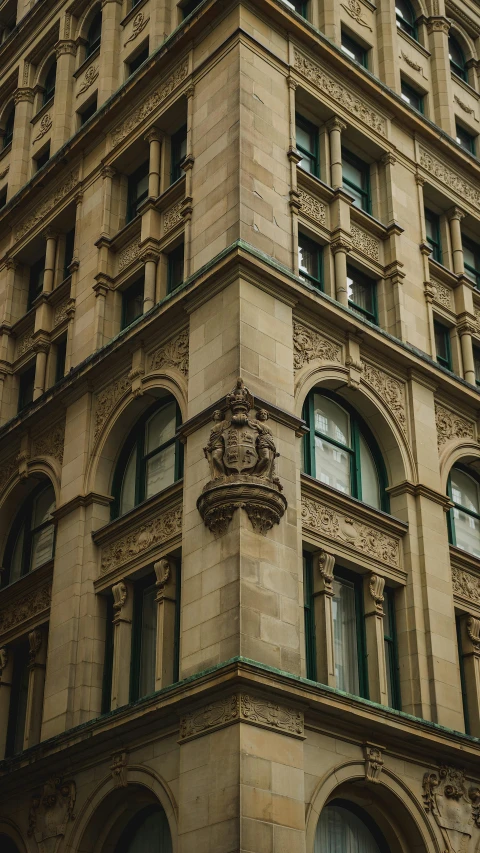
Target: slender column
point(110, 49)
point(11, 268)
point(36, 685)
point(149, 297)
point(154, 139)
point(374, 629)
point(108, 174)
point(41, 348)
point(323, 564)
point(50, 256)
point(62, 114)
point(20, 163)
point(455, 216)
point(335, 127)
point(438, 29)
point(470, 636)
point(187, 167)
point(465, 330)
point(294, 158)
point(340, 248)
point(166, 584)
point(122, 642)
point(387, 40)
point(101, 289)
point(6, 675)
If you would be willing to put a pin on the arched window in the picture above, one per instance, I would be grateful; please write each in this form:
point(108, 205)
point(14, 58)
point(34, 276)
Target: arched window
point(151, 458)
point(343, 826)
point(148, 832)
point(340, 450)
point(49, 85)
point(32, 538)
point(464, 527)
point(8, 130)
point(406, 17)
point(94, 34)
point(457, 58)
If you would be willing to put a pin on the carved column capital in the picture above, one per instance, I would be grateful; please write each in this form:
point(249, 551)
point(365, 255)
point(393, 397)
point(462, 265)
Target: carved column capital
point(25, 94)
point(154, 135)
point(326, 564)
point(376, 586)
point(456, 213)
point(120, 594)
point(473, 632)
point(35, 639)
point(336, 123)
point(388, 159)
point(438, 24)
point(65, 47)
point(108, 172)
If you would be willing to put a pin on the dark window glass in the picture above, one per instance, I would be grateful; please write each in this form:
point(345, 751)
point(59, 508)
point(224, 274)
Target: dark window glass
point(151, 458)
point(135, 3)
point(310, 261)
point(179, 152)
point(405, 17)
point(7, 845)
point(138, 60)
point(354, 50)
point(442, 345)
point(69, 250)
point(94, 35)
point(457, 58)
point(9, 125)
point(463, 681)
point(50, 81)
point(108, 658)
point(476, 358)
point(25, 390)
point(465, 139)
point(137, 190)
point(307, 145)
point(144, 636)
point(432, 228)
point(298, 6)
point(148, 831)
point(356, 180)
point(3, 197)
point(309, 615)
point(42, 159)
point(412, 97)
point(132, 302)
point(464, 518)
point(190, 7)
point(340, 451)
point(362, 294)
point(344, 826)
point(18, 699)
point(471, 260)
point(31, 539)
point(175, 267)
point(88, 112)
point(349, 633)
point(35, 283)
point(391, 650)
point(61, 358)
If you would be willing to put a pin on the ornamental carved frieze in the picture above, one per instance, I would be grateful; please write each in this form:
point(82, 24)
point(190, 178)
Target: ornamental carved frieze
point(454, 804)
point(451, 179)
point(312, 207)
point(91, 74)
point(151, 103)
point(28, 606)
point(40, 212)
point(45, 126)
point(63, 311)
point(8, 468)
point(174, 353)
point(365, 243)
point(51, 811)
point(241, 454)
point(238, 708)
point(25, 342)
point(390, 390)
point(138, 26)
point(107, 400)
point(340, 94)
point(141, 538)
point(371, 541)
point(173, 217)
point(451, 426)
point(466, 585)
point(442, 294)
point(50, 442)
point(129, 254)
point(355, 10)
point(309, 345)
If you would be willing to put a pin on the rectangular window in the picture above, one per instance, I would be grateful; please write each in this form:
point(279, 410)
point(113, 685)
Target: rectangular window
point(26, 386)
point(432, 228)
point(309, 616)
point(137, 190)
point(349, 633)
point(465, 139)
point(356, 180)
point(190, 7)
point(138, 60)
point(307, 145)
point(144, 638)
point(69, 250)
point(35, 281)
point(61, 358)
point(354, 50)
point(391, 650)
point(132, 302)
point(108, 658)
point(42, 159)
point(471, 260)
point(88, 112)
point(362, 294)
point(3, 197)
point(476, 358)
point(442, 345)
point(463, 680)
point(298, 6)
point(411, 97)
point(310, 261)
point(175, 267)
point(17, 715)
point(179, 152)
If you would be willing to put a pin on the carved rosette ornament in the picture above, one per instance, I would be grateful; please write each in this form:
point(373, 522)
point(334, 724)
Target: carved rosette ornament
point(455, 807)
point(241, 453)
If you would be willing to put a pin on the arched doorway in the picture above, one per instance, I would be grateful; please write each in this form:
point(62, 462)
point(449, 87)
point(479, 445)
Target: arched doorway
point(344, 827)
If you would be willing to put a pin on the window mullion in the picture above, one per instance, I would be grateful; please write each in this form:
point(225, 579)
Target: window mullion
point(141, 467)
point(27, 544)
point(356, 469)
point(311, 436)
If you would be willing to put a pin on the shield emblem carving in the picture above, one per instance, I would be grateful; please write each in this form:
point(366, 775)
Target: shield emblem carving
point(240, 452)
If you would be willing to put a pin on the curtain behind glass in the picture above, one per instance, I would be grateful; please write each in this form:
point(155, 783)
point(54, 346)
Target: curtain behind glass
point(340, 831)
point(148, 643)
point(370, 484)
point(332, 464)
point(42, 540)
point(345, 636)
point(465, 492)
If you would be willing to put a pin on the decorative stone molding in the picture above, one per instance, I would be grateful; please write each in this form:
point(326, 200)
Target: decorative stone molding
point(463, 106)
point(25, 342)
point(312, 207)
point(3, 659)
point(454, 805)
point(45, 126)
point(7, 470)
point(451, 179)
point(390, 390)
point(326, 563)
point(355, 10)
point(142, 538)
point(174, 353)
point(35, 640)
point(376, 586)
point(365, 243)
point(40, 213)
point(466, 585)
point(25, 607)
point(151, 103)
point(50, 442)
point(173, 217)
point(451, 426)
point(241, 454)
point(442, 294)
point(473, 632)
point(118, 769)
point(342, 95)
point(63, 311)
point(239, 708)
point(438, 25)
point(139, 24)
point(129, 254)
point(373, 762)
point(91, 74)
point(309, 345)
point(120, 595)
point(50, 813)
point(370, 541)
point(410, 62)
point(107, 400)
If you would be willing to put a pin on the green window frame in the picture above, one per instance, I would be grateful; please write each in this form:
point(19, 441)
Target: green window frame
point(360, 191)
point(60, 357)
point(108, 657)
point(411, 97)
point(358, 431)
point(17, 712)
point(406, 18)
point(142, 588)
point(456, 56)
point(132, 302)
point(342, 575)
point(309, 617)
point(35, 281)
point(298, 6)
point(472, 269)
point(50, 83)
point(137, 190)
point(466, 140)
point(359, 284)
point(391, 649)
point(176, 262)
point(476, 361)
point(432, 229)
point(178, 154)
point(310, 261)
point(94, 34)
point(137, 440)
point(473, 515)
point(443, 349)
point(307, 145)
point(463, 680)
point(8, 129)
point(354, 50)
point(25, 388)
point(24, 534)
point(138, 60)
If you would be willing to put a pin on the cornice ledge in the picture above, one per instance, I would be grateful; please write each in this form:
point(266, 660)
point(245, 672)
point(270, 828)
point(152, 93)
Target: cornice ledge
point(420, 490)
point(277, 414)
point(81, 501)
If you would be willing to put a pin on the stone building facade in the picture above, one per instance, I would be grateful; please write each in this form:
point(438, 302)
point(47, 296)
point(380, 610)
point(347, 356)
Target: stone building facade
point(239, 426)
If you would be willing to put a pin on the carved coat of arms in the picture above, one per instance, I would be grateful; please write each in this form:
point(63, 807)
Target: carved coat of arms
point(455, 807)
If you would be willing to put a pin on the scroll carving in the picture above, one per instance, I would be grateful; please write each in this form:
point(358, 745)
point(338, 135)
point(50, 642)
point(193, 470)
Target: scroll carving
point(50, 442)
point(142, 538)
point(326, 563)
point(389, 389)
point(46, 124)
point(442, 294)
point(26, 607)
point(25, 343)
point(91, 74)
point(62, 311)
point(466, 585)
point(354, 9)
point(376, 587)
point(451, 426)
point(242, 708)
point(151, 103)
point(174, 353)
point(365, 243)
point(312, 207)
point(139, 24)
point(46, 206)
point(373, 763)
point(453, 804)
point(309, 345)
point(107, 400)
point(451, 179)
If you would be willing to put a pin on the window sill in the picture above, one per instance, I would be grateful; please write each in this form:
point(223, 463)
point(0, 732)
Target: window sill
point(86, 62)
point(414, 43)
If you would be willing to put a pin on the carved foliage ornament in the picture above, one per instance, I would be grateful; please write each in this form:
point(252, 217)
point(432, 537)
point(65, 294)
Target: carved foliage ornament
point(450, 178)
point(107, 400)
point(454, 804)
point(389, 389)
point(32, 604)
point(91, 74)
point(365, 243)
point(118, 769)
point(46, 124)
point(451, 426)
point(312, 207)
point(151, 103)
point(466, 585)
point(172, 217)
point(148, 535)
point(241, 454)
point(50, 442)
point(128, 255)
point(442, 294)
point(309, 345)
point(46, 206)
point(174, 353)
point(238, 708)
point(50, 813)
